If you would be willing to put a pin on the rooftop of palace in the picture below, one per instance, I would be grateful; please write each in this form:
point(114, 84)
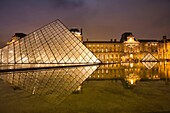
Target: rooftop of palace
point(111, 41)
point(115, 41)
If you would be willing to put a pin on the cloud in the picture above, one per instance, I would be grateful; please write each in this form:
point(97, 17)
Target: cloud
point(2, 4)
point(67, 4)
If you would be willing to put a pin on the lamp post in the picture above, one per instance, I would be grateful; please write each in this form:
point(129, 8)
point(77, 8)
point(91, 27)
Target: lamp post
point(164, 48)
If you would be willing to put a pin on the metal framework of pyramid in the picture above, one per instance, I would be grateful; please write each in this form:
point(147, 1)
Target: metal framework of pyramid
point(53, 43)
point(149, 58)
point(149, 65)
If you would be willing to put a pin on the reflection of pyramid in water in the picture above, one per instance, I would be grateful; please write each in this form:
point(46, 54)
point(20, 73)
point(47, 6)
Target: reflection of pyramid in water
point(149, 58)
point(53, 85)
point(149, 65)
point(53, 43)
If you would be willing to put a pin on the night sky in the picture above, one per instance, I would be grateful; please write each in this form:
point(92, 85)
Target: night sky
point(100, 19)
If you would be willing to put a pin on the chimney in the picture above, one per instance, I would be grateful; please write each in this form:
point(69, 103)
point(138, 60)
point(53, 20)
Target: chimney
point(164, 37)
point(115, 40)
point(111, 40)
point(81, 31)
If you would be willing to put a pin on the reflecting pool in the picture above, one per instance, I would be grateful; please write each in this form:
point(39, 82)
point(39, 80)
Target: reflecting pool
point(112, 88)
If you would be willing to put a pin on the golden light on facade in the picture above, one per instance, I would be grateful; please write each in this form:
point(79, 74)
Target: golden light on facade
point(131, 55)
point(131, 65)
point(78, 90)
point(131, 43)
point(130, 39)
point(10, 51)
point(132, 79)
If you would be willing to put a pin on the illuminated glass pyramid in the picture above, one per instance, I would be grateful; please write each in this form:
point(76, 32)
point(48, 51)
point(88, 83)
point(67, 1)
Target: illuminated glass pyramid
point(149, 58)
point(53, 43)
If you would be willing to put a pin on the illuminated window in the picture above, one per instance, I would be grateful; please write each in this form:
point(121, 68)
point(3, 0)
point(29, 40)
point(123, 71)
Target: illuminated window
point(102, 70)
point(111, 56)
point(131, 64)
point(106, 56)
point(106, 70)
point(106, 50)
point(102, 57)
point(131, 55)
point(130, 39)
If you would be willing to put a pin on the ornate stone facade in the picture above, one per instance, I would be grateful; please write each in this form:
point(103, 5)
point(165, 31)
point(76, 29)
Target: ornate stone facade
point(129, 49)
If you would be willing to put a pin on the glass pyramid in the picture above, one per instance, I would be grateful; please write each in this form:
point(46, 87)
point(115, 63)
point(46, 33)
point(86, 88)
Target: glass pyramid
point(53, 43)
point(53, 85)
point(149, 58)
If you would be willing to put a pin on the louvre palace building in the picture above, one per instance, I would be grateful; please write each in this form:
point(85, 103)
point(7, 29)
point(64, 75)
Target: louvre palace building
point(40, 46)
point(128, 49)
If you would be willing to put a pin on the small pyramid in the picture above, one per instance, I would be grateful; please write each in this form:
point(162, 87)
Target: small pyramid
point(149, 58)
point(53, 43)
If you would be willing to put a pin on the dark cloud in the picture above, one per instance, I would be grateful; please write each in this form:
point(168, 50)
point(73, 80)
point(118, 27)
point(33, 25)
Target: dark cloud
point(100, 19)
point(2, 4)
point(67, 4)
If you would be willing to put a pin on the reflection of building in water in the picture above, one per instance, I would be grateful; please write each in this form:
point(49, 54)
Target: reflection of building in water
point(165, 71)
point(131, 79)
point(54, 85)
point(130, 73)
point(112, 71)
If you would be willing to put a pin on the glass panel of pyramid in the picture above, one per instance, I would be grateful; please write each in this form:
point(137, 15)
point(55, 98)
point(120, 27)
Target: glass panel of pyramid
point(149, 58)
point(53, 85)
point(53, 43)
point(149, 65)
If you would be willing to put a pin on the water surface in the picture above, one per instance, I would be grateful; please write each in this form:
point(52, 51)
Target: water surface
point(111, 88)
